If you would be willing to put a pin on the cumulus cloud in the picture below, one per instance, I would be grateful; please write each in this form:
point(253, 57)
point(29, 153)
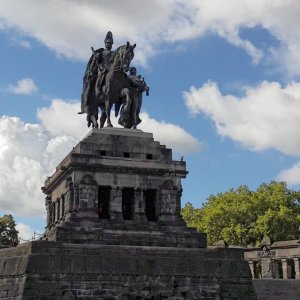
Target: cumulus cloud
point(25, 86)
point(169, 134)
point(30, 152)
point(291, 176)
point(267, 117)
point(61, 118)
point(142, 22)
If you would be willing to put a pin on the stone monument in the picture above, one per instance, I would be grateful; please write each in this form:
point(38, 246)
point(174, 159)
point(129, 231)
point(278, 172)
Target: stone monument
point(114, 231)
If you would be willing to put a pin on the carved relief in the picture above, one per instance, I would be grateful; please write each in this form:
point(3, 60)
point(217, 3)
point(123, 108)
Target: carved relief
point(167, 185)
point(88, 192)
point(88, 180)
point(68, 181)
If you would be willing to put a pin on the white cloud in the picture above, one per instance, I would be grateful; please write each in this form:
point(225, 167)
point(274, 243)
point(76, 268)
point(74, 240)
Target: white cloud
point(67, 121)
point(169, 134)
point(86, 23)
point(291, 176)
point(30, 152)
point(25, 86)
point(266, 117)
point(142, 22)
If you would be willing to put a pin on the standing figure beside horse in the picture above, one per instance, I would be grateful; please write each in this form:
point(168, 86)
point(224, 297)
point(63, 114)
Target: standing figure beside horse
point(137, 87)
point(109, 85)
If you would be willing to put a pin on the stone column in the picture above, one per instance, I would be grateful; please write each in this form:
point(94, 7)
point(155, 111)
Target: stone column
point(266, 268)
point(115, 204)
point(69, 196)
point(251, 266)
point(178, 201)
point(58, 209)
point(139, 205)
point(53, 212)
point(62, 206)
point(164, 209)
point(76, 198)
point(284, 268)
point(297, 268)
point(48, 209)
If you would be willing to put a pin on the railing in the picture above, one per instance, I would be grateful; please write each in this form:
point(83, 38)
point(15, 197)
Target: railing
point(36, 236)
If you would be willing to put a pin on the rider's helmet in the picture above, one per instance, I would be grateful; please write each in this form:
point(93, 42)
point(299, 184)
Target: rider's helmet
point(109, 38)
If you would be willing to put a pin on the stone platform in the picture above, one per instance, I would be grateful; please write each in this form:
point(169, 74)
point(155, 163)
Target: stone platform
point(52, 270)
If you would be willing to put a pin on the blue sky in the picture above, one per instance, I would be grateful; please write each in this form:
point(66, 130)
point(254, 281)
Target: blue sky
point(224, 90)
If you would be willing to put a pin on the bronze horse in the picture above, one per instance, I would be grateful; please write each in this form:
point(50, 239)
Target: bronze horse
point(113, 90)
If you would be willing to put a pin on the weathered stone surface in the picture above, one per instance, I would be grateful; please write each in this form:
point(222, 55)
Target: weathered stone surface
point(277, 289)
point(118, 159)
point(53, 270)
point(114, 231)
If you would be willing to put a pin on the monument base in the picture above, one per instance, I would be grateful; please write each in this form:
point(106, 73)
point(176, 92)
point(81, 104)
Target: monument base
point(53, 270)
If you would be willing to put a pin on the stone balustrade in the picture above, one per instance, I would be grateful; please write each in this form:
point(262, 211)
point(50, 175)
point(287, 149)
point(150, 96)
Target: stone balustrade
point(279, 260)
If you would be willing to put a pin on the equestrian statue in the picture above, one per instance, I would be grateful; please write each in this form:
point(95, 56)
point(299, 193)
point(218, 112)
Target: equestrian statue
point(105, 83)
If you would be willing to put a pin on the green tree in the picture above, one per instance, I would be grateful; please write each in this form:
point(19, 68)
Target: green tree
point(8, 231)
point(242, 216)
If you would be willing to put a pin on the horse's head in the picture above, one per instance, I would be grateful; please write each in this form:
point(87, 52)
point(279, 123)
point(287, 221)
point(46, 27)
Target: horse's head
point(127, 56)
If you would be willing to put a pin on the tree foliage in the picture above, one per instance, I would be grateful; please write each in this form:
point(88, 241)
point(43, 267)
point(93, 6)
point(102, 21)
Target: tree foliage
point(8, 231)
point(243, 217)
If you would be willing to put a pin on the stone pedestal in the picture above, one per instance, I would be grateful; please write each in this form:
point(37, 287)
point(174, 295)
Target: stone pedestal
point(61, 271)
point(126, 162)
point(114, 231)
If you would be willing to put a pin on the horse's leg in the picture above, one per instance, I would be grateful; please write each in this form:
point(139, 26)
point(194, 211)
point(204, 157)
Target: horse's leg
point(108, 106)
point(94, 120)
point(125, 118)
point(89, 121)
point(103, 116)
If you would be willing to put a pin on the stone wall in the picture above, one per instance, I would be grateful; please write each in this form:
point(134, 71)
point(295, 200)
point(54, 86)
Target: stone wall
point(51, 270)
point(276, 289)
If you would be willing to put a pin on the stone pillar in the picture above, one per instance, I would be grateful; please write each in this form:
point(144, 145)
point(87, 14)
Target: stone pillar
point(178, 201)
point(164, 209)
point(297, 268)
point(139, 205)
point(251, 266)
point(48, 209)
point(76, 198)
point(266, 268)
point(53, 212)
point(69, 196)
point(62, 206)
point(115, 204)
point(284, 268)
point(57, 206)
